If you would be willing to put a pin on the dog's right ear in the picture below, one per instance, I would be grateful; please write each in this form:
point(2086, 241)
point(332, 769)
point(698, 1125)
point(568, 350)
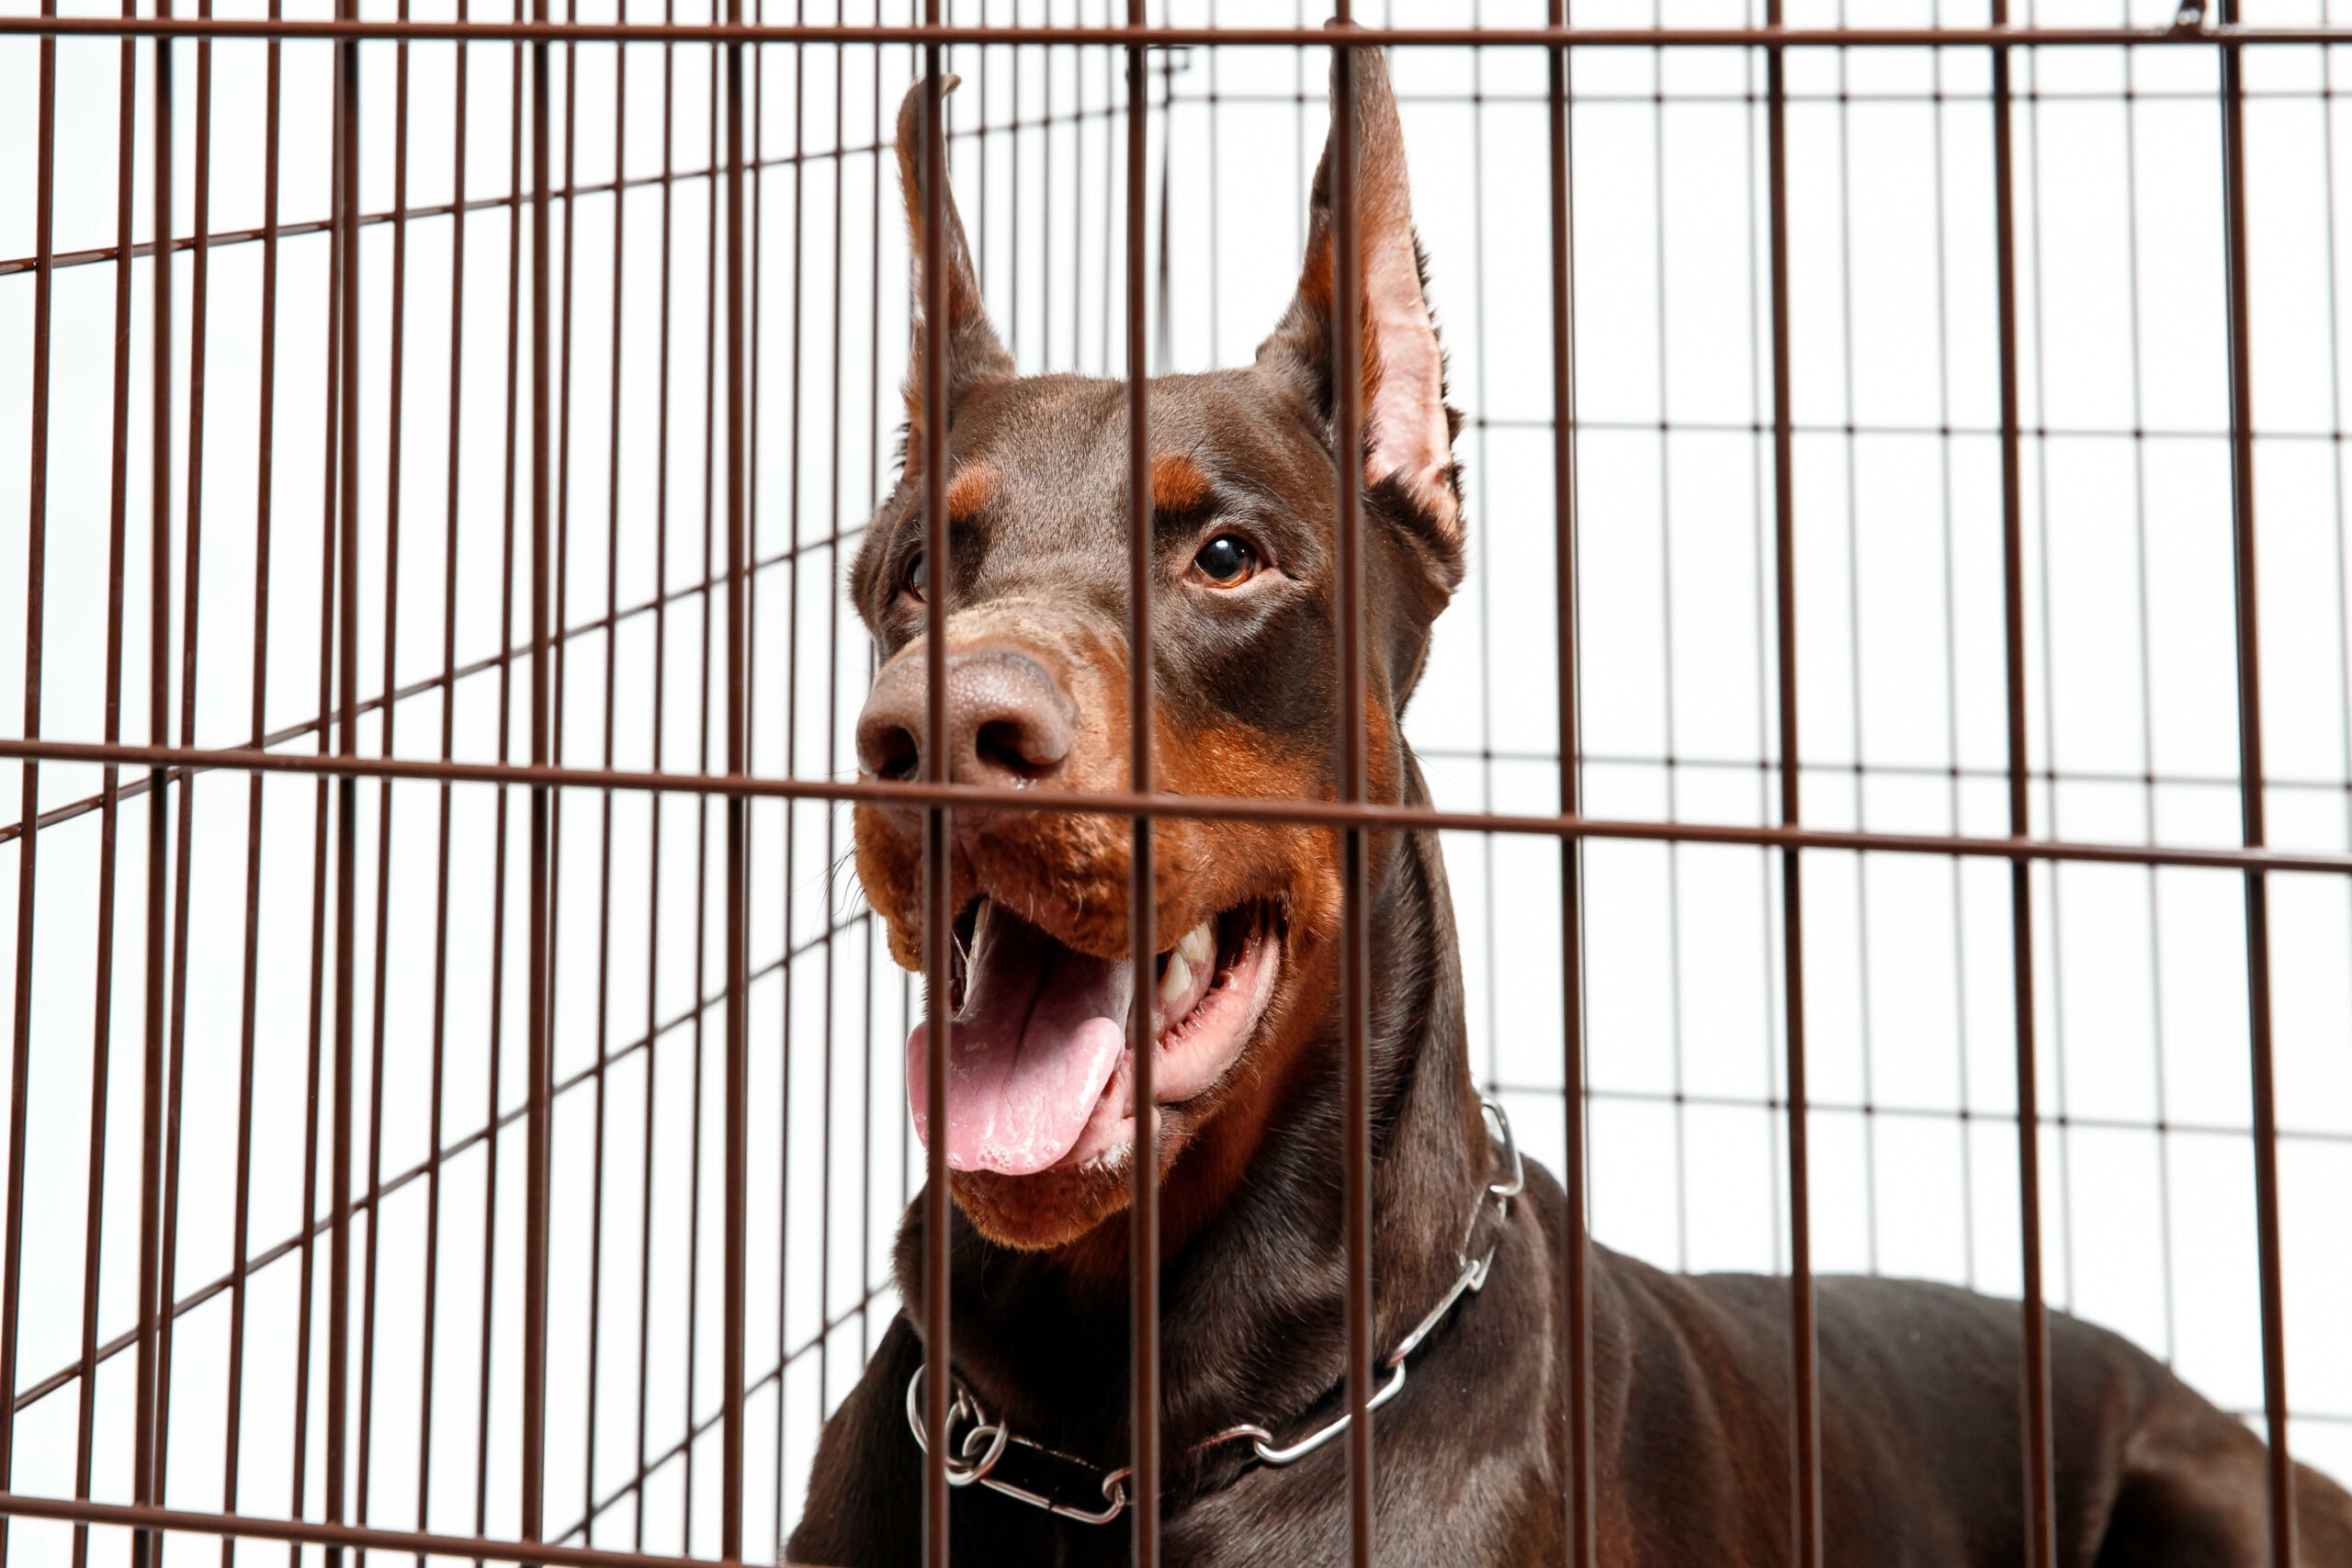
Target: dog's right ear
point(1408, 428)
point(974, 352)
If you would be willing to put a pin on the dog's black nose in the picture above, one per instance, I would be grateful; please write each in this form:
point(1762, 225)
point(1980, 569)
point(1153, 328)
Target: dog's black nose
point(1008, 720)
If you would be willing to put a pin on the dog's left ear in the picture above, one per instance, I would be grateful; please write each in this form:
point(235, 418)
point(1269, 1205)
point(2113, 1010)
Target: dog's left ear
point(975, 353)
point(1407, 429)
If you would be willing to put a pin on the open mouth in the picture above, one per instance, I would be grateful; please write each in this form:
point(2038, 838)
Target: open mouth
point(1039, 1074)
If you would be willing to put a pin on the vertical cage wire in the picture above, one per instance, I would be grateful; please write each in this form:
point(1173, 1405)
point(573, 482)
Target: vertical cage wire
point(1804, 1388)
point(1581, 1500)
point(2250, 802)
point(2033, 1331)
point(1143, 945)
point(938, 1344)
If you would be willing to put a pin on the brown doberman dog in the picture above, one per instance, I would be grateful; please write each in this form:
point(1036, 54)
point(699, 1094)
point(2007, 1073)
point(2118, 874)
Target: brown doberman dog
point(1919, 1383)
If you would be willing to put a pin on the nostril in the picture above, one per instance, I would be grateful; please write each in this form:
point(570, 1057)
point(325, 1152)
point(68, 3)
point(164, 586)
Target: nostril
point(892, 753)
point(1007, 744)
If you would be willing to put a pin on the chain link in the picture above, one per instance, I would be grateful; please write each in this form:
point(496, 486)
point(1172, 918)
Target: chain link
point(974, 1457)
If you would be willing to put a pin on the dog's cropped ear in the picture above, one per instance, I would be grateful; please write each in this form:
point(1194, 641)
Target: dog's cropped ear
point(1407, 429)
point(974, 352)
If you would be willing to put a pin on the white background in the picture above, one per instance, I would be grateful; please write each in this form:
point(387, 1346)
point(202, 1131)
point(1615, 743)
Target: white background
point(2148, 1203)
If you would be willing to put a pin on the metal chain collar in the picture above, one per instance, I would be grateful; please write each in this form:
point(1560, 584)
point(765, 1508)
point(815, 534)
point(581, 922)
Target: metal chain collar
point(987, 1452)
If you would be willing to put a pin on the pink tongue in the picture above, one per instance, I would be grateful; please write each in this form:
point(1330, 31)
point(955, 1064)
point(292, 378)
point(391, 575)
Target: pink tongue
point(1041, 1033)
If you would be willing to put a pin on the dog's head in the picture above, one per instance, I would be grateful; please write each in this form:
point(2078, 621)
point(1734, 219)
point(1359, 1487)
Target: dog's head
point(1040, 1119)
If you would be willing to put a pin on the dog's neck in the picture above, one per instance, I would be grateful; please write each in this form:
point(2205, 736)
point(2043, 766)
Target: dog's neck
point(1044, 1343)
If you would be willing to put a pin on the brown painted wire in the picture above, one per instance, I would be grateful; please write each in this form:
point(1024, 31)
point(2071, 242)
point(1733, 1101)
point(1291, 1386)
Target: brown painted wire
point(144, 1545)
point(934, 35)
point(101, 1047)
point(161, 1323)
point(1143, 944)
point(337, 767)
point(1804, 1392)
point(1575, 1274)
point(738, 1035)
point(938, 1358)
point(2039, 1463)
point(1355, 919)
point(2268, 1265)
point(1121, 803)
point(37, 532)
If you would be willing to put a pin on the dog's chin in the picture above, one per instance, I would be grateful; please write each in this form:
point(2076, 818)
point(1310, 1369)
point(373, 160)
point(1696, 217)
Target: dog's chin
point(1041, 1125)
point(1042, 1212)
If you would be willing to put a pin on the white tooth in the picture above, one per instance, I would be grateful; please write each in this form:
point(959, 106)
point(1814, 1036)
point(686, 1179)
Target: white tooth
point(980, 922)
point(1178, 978)
point(1199, 945)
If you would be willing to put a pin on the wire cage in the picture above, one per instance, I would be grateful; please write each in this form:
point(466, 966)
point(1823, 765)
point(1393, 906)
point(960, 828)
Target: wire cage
point(454, 1097)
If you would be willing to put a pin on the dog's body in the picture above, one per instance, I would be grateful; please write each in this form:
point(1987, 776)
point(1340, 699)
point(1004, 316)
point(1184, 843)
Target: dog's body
point(1920, 1387)
point(1922, 1459)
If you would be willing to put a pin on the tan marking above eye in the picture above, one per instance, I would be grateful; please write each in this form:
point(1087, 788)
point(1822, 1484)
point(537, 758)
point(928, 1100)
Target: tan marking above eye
point(1177, 483)
point(973, 487)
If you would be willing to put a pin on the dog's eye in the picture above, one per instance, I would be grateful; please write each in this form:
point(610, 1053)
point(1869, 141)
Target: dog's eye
point(1226, 561)
point(916, 579)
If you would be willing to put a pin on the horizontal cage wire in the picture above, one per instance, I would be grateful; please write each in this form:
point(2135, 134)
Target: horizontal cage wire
point(467, 637)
